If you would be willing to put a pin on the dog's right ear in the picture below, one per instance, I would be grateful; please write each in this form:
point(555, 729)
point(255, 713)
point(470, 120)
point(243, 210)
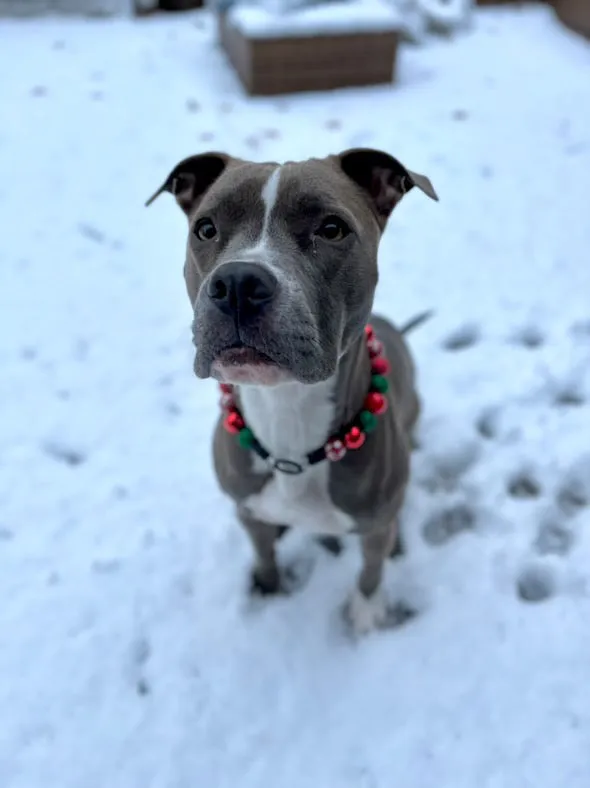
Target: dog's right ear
point(191, 178)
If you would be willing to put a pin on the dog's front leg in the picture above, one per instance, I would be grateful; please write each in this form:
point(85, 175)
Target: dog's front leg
point(265, 576)
point(367, 609)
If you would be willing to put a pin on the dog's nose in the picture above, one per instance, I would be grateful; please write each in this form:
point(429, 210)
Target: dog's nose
point(242, 290)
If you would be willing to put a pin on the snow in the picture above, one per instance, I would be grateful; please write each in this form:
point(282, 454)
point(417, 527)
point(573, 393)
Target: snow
point(21, 8)
point(130, 654)
point(367, 16)
point(414, 19)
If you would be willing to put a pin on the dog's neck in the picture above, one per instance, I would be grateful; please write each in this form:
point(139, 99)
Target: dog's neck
point(293, 419)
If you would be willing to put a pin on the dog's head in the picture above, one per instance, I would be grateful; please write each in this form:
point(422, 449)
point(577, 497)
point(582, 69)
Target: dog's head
point(281, 261)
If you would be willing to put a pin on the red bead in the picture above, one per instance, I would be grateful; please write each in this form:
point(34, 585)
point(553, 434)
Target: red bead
point(226, 401)
point(375, 403)
point(233, 422)
point(355, 438)
point(369, 332)
point(226, 388)
point(375, 348)
point(335, 450)
point(380, 365)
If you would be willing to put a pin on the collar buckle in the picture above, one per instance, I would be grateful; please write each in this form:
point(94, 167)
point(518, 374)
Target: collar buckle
point(289, 467)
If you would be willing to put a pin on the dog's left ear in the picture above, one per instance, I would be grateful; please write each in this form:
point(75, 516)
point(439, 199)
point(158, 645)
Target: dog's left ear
point(384, 179)
point(191, 178)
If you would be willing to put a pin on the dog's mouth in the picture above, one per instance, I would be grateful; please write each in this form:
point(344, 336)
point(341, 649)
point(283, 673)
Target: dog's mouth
point(247, 365)
point(243, 355)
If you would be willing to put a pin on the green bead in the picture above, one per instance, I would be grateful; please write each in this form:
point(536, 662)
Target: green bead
point(246, 438)
point(368, 420)
point(379, 383)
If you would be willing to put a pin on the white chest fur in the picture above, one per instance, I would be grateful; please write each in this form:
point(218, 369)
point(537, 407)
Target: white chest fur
point(290, 421)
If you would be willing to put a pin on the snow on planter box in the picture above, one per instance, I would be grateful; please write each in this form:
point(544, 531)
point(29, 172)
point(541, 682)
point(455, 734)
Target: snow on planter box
point(320, 47)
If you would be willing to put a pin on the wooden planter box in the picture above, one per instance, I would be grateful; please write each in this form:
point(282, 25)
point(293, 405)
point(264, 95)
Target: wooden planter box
point(575, 14)
point(287, 64)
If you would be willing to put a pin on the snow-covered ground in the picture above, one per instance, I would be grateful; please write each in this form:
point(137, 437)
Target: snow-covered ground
point(130, 654)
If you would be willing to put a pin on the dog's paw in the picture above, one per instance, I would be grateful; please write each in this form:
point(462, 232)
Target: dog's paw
point(286, 580)
point(366, 613)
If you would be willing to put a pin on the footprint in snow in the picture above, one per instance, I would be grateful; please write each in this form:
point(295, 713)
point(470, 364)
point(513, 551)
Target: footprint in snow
point(569, 397)
point(529, 337)
point(331, 544)
point(398, 614)
point(143, 687)
point(553, 538)
point(536, 583)
point(574, 493)
point(141, 652)
point(91, 232)
point(447, 470)
point(66, 454)
point(488, 423)
point(572, 497)
point(581, 329)
point(524, 486)
point(29, 353)
point(252, 142)
point(106, 566)
point(296, 574)
point(462, 338)
point(448, 523)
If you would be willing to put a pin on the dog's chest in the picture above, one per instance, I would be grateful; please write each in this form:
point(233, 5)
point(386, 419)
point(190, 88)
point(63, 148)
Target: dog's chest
point(290, 423)
point(301, 501)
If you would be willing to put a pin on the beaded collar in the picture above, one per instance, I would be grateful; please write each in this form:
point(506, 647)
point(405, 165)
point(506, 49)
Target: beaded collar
point(349, 438)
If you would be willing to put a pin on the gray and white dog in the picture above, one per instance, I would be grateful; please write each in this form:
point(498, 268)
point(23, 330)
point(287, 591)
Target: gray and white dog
point(281, 270)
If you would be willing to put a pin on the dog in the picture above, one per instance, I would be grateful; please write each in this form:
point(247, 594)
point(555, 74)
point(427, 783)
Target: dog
point(318, 396)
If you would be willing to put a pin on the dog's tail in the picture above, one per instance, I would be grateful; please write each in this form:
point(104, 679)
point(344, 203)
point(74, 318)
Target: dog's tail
point(417, 321)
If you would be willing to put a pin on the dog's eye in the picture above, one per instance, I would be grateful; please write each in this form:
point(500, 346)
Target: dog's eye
point(205, 230)
point(333, 229)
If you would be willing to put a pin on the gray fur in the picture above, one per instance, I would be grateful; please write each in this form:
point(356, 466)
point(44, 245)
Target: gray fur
point(314, 326)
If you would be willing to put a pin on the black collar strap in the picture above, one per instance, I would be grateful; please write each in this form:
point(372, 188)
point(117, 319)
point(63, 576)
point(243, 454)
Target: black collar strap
point(349, 438)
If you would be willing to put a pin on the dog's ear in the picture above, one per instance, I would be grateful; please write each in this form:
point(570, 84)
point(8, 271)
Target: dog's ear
point(191, 178)
point(384, 179)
